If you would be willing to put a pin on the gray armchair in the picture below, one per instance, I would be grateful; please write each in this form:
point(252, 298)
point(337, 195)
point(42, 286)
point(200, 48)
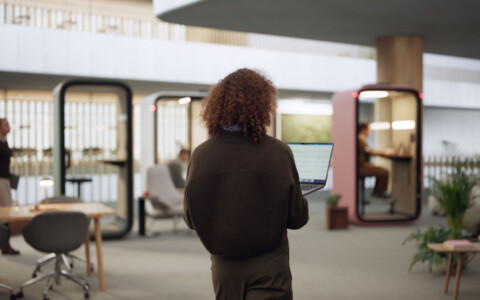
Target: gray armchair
point(165, 202)
point(4, 235)
point(58, 232)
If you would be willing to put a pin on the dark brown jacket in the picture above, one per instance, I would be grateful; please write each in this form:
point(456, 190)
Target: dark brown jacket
point(241, 195)
point(5, 155)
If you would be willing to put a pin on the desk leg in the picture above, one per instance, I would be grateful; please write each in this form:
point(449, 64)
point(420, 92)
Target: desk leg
point(449, 271)
point(87, 254)
point(457, 277)
point(141, 216)
point(79, 190)
point(98, 242)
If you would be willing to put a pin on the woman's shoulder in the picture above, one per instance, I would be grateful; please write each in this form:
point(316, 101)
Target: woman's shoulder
point(277, 145)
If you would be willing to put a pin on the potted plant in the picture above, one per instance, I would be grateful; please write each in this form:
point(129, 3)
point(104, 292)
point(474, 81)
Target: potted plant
point(453, 194)
point(424, 255)
point(332, 200)
point(337, 217)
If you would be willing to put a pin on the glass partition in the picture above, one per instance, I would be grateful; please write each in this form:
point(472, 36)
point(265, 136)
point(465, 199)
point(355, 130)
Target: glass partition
point(96, 144)
point(178, 125)
point(388, 155)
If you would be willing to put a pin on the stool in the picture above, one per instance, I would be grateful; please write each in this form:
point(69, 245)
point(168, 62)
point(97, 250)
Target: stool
point(361, 187)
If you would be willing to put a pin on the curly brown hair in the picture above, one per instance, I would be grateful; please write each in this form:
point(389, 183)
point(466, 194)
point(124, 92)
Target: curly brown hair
point(244, 98)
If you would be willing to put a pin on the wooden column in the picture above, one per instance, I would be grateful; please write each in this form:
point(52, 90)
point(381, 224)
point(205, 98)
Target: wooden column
point(400, 60)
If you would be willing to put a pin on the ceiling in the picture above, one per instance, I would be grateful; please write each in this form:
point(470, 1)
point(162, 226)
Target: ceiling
point(448, 27)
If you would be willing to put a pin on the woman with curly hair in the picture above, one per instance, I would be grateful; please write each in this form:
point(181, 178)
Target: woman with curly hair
point(242, 191)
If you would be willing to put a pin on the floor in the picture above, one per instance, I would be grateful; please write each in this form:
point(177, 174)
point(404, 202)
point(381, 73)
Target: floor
point(357, 263)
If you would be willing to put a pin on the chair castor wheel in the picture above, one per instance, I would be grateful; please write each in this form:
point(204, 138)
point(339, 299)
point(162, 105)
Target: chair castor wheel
point(20, 295)
point(86, 296)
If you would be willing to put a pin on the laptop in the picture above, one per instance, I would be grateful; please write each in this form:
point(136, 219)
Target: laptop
point(312, 161)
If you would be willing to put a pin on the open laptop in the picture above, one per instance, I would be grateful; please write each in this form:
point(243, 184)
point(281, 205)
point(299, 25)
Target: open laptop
point(312, 161)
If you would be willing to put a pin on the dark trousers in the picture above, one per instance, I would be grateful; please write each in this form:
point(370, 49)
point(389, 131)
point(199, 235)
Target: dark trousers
point(263, 277)
point(381, 176)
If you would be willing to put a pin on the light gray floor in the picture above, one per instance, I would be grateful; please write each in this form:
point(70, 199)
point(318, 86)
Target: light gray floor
point(358, 263)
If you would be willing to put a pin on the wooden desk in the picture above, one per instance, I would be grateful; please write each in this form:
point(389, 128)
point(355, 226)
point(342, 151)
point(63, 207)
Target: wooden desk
point(92, 210)
point(440, 248)
point(397, 157)
point(115, 162)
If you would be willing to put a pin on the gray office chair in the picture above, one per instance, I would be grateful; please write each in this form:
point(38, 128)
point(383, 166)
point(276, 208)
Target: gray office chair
point(51, 257)
point(4, 235)
point(166, 202)
point(59, 232)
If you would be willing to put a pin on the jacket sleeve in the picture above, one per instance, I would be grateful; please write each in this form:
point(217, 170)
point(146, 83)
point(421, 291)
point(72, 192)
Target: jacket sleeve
point(186, 211)
point(297, 204)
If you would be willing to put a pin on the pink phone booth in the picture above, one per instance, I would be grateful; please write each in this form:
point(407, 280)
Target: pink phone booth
point(394, 139)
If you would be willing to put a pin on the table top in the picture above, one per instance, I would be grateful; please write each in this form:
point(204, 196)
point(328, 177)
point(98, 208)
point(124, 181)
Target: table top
point(78, 179)
point(117, 162)
point(397, 157)
point(441, 248)
point(19, 213)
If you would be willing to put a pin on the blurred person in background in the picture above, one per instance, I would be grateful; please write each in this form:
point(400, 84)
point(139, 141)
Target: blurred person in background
point(5, 188)
point(177, 167)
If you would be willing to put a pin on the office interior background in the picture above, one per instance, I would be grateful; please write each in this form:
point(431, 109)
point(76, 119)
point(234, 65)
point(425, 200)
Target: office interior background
point(47, 41)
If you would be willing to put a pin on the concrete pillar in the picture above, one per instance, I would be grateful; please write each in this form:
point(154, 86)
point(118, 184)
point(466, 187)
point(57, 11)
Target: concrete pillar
point(400, 60)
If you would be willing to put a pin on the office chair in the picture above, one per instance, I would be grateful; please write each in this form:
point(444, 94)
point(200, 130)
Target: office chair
point(51, 257)
point(4, 236)
point(165, 202)
point(59, 232)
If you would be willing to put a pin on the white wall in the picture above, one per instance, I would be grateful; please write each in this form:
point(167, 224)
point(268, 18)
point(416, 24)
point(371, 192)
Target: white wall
point(459, 126)
point(448, 93)
point(47, 51)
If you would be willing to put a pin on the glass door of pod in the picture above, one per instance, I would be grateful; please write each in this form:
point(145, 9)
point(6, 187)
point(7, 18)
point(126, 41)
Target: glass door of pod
point(388, 143)
point(177, 124)
point(93, 148)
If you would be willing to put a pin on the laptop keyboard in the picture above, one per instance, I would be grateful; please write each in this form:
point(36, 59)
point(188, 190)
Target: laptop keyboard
point(306, 187)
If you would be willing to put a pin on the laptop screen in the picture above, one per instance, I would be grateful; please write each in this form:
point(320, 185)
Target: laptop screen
point(312, 161)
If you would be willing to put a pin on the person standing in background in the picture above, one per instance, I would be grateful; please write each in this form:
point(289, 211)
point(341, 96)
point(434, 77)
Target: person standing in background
point(176, 168)
point(5, 192)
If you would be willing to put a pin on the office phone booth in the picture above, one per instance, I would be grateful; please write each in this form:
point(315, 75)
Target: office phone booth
point(393, 139)
point(93, 133)
point(170, 121)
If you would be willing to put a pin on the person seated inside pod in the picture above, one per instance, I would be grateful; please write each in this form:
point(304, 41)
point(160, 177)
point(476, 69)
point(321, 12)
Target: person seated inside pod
point(177, 168)
point(365, 168)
